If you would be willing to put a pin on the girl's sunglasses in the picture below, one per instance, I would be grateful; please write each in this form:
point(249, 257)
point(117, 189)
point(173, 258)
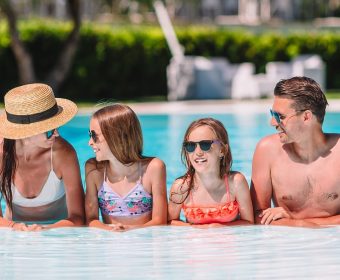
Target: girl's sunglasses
point(50, 133)
point(205, 145)
point(93, 135)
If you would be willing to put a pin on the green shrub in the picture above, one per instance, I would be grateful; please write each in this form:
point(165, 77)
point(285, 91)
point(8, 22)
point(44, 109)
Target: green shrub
point(118, 63)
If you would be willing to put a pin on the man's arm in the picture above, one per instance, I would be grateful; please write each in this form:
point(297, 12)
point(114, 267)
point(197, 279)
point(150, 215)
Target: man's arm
point(261, 185)
point(332, 220)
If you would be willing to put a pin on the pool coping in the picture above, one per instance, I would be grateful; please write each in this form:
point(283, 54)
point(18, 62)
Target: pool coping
point(204, 107)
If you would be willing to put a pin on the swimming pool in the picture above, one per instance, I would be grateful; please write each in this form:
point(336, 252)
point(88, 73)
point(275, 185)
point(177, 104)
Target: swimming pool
point(253, 252)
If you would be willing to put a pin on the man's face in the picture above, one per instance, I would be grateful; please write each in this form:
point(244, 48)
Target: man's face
point(286, 120)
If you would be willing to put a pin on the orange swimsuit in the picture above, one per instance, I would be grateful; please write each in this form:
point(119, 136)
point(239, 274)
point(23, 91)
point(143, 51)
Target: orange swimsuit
point(212, 214)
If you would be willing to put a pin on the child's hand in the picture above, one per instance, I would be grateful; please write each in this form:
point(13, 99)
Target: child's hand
point(272, 214)
point(119, 227)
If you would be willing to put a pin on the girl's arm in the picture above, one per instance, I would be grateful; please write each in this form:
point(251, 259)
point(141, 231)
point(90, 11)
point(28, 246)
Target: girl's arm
point(175, 205)
point(243, 198)
point(65, 162)
point(91, 197)
point(158, 184)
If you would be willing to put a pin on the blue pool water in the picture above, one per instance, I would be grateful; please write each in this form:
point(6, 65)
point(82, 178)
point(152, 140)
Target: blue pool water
point(163, 135)
point(254, 252)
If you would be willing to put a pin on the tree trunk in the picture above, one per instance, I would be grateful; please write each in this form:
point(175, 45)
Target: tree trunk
point(23, 58)
point(64, 62)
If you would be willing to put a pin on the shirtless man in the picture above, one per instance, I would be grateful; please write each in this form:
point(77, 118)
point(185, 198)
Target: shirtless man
point(298, 167)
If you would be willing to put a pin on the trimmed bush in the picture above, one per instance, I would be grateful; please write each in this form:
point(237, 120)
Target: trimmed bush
point(118, 63)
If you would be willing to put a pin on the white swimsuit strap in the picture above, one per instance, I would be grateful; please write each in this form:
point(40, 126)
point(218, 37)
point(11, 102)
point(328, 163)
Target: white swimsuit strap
point(52, 157)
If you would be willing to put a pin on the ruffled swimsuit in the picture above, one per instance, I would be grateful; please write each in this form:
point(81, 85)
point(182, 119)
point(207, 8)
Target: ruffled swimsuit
point(224, 213)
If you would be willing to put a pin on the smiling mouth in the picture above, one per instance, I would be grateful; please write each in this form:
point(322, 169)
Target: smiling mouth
point(200, 160)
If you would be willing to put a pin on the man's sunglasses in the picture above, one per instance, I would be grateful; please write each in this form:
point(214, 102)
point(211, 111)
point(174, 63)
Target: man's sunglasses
point(205, 145)
point(279, 118)
point(93, 135)
point(50, 133)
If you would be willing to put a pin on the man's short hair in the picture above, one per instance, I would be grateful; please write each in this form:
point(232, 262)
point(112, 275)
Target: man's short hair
point(306, 94)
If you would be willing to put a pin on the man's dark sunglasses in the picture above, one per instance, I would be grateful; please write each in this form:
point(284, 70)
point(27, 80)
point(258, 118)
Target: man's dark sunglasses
point(205, 145)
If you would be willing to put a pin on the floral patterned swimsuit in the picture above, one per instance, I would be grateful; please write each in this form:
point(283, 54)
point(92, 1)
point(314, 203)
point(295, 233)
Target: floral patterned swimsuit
point(223, 213)
point(137, 202)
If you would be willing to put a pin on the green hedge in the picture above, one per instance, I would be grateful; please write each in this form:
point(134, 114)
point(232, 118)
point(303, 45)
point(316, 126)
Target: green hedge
point(128, 62)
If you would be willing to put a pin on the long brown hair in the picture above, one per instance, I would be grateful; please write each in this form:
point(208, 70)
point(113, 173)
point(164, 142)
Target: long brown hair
point(8, 168)
point(122, 131)
point(225, 163)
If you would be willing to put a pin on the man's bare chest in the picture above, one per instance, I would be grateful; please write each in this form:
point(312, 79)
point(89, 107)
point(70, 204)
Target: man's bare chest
point(300, 187)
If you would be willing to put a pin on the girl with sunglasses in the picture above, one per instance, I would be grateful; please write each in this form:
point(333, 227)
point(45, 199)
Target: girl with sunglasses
point(209, 193)
point(128, 188)
point(39, 171)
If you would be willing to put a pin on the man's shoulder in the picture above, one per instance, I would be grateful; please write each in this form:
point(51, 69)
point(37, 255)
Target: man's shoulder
point(333, 137)
point(269, 142)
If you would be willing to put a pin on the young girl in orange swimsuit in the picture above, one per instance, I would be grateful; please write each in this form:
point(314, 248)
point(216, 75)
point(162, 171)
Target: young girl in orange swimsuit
point(209, 193)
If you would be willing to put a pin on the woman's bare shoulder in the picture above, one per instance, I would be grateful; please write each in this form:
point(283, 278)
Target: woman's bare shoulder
point(63, 147)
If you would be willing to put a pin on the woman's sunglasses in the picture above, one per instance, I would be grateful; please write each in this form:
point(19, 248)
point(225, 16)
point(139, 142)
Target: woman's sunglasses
point(205, 145)
point(50, 133)
point(93, 135)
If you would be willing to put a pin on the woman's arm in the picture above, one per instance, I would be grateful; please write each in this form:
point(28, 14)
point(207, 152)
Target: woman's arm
point(91, 196)
point(65, 163)
point(11, 224)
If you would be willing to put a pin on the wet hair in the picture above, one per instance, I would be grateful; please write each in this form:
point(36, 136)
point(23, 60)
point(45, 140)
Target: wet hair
point(122, 131)
point(7, 171)
point(225, 163)
point(306, 94)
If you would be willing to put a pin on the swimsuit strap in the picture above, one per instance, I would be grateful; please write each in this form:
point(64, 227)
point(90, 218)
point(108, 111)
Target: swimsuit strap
point(51, 157)
point(227, 187)
point(140, 170)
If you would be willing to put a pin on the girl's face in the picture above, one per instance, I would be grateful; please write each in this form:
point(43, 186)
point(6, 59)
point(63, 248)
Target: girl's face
point(43, 140)
point(206, 156)
point(98, 142)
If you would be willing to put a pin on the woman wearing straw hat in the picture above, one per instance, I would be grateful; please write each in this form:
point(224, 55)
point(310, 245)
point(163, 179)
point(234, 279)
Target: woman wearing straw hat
point(39, 170)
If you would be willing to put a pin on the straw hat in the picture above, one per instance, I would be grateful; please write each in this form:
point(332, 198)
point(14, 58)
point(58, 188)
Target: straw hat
point(32, 109)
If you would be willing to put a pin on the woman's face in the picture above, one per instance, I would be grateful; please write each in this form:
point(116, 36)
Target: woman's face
point(205, 158)
point(98, 142)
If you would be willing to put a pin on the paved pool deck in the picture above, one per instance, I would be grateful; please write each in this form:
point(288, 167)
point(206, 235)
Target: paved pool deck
point(205, 107)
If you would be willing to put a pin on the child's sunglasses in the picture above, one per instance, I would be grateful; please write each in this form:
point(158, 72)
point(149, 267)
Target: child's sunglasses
point(50, 133)
point(93, 135)
point(205, 145)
